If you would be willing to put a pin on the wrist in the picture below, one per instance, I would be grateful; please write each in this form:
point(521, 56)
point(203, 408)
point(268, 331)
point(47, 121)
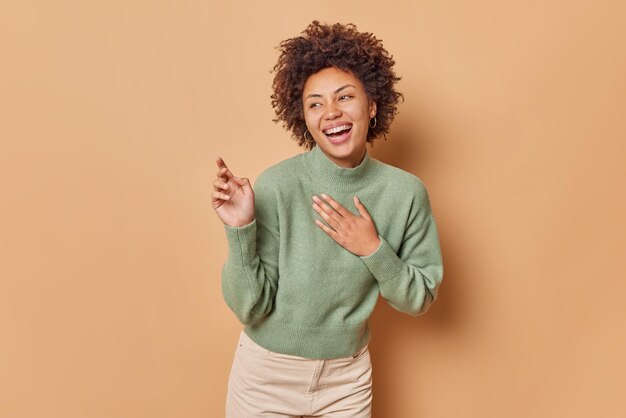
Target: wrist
point(374, 247)
point(240, 224)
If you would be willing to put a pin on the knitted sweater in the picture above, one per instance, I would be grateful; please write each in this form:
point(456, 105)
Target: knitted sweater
point(296, 290)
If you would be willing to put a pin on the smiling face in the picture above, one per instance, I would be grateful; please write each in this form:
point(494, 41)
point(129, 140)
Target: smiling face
point(337, 113)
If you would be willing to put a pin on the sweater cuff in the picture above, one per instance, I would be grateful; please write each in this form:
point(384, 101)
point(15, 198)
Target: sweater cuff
point(384, 263)
point(241, 242)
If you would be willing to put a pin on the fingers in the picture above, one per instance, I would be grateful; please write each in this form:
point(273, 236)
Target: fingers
point(242, 181)
point(243, 184)
point(331, 232)
point(335, 205)
point(223, 172)
point(218, 198)
point(219, 185)
point(326, 213)
point(338, 209)
point(228, 184)
point(361, 208)
point(219, 195)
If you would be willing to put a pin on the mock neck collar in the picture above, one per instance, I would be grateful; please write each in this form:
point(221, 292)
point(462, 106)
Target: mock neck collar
point(326, 173)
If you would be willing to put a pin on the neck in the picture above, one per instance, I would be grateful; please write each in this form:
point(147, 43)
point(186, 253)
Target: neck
point(328, 175)
point(346, 164)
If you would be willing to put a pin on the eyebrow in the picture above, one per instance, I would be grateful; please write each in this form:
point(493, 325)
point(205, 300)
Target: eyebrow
point(335, 92)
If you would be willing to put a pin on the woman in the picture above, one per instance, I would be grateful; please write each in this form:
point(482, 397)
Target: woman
point(322, 235)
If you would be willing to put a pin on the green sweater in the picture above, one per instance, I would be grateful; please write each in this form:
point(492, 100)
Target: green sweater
point(296, 290)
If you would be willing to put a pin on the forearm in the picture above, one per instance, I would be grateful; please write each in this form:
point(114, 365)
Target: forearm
point(409, 280)
point(248, 284)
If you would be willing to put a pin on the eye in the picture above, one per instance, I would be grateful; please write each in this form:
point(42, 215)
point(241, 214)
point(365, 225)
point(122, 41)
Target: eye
point(314, 105)
point(345, 97)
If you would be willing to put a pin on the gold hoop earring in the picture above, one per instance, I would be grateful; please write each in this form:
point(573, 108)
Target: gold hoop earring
point(305, 138)
point(375, 122)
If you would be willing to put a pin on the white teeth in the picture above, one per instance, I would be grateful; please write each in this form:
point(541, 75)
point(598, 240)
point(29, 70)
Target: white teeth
point(336, 129)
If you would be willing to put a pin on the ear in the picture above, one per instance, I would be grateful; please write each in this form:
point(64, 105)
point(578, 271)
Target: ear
point(372, 109)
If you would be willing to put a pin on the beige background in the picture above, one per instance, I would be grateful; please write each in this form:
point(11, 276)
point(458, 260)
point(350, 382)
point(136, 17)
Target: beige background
point(111, 115)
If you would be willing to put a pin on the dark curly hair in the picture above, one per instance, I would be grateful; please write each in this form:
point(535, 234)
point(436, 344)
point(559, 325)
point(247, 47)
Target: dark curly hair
point(341, 46)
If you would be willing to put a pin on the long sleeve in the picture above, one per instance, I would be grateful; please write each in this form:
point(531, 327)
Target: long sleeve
point(250, 274)
point(410, 278)
point(295, 289)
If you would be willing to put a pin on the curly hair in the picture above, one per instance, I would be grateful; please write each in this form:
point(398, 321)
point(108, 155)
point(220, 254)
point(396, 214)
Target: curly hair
point(340, 46)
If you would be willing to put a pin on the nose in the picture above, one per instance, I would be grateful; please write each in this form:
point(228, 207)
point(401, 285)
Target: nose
point(332, 112)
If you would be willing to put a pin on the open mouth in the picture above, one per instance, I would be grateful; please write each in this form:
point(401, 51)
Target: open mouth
point(338, 133)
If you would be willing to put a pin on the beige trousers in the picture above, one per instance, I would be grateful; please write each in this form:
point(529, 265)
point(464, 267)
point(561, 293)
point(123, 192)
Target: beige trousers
point(263, 383)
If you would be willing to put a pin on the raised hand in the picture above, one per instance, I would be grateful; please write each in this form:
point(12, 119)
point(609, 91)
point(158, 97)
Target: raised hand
point(232, 197)
point(356, 234)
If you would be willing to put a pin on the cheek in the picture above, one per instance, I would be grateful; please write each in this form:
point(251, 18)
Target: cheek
point(361, 117)
point(310, 119)
point(359, 111)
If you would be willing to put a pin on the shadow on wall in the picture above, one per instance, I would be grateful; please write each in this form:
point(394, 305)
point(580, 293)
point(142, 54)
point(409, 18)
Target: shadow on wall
point(391, 330)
